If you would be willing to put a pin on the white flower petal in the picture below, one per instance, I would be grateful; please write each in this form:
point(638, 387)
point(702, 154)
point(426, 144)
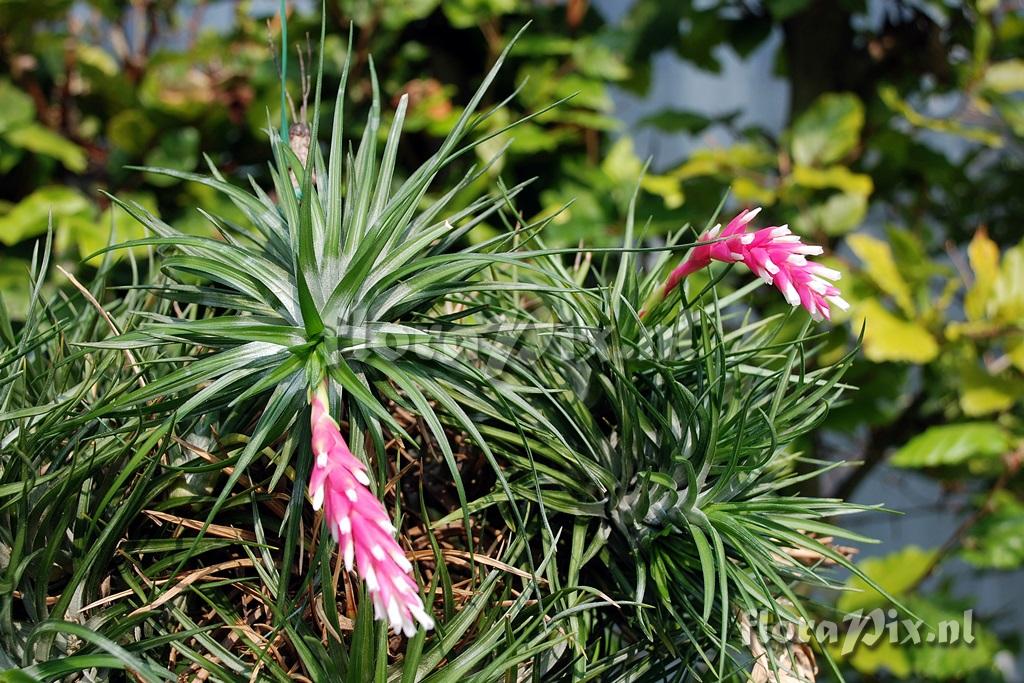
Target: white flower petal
point(370, 577)
point(839, 302)
point(824, 272)
point(425, 619)
point(401, 560)
point(792, 296)
point(750, 215)
point(816, 285)
point(394, 614)
point(349, 553)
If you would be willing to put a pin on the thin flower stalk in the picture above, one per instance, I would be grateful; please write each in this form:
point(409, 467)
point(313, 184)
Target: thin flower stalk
point(359, 523)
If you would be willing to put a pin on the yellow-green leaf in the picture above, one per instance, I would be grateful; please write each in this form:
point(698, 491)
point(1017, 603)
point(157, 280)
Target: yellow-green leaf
point(888, 338)
point(668, 188)
point(881, 656)
point(973, 329)
point(717, 160)
point(983, 394)
point(896, 574)
point(985, 399)
point(97, 58)
point(891, 97)
point(984, 257)
point(15, 286)
point(624, 167)
point(1016, 354)
point(16, 108)
point(997, 541)
point(829, 130)
point(41, 140)
point(749, 192)
point(30, 216)
point(838, 177)
point(114, 225)
point(880, 266)
point(950, 661)
point(954, 444)
point(837, 215)
point(621, 163)
point(1008, 289)
point(1005, 77)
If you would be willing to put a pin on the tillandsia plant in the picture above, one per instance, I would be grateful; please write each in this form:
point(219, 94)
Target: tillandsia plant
point(632, 454)
point(673, 480)
point(96, 521)
point(339, 282)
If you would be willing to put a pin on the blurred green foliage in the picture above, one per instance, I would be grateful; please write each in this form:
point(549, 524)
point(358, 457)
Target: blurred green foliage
point(903, 154)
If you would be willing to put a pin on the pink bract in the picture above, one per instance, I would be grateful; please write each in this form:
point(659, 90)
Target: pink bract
point(775, 255)
point(359, 523)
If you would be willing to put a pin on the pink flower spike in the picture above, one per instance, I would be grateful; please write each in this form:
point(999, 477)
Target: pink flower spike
point(702, 255)
point(359, 523)
point(775, 255)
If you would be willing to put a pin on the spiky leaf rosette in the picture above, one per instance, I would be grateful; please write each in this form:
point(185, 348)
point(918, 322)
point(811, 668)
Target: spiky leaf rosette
point(675, 477)
point(344, 275)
